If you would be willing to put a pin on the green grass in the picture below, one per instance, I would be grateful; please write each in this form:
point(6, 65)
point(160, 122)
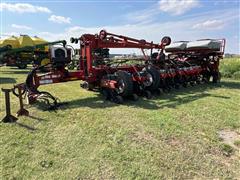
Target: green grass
point(174, 135)
point(227, 149)
point(237, 143)
point(230, 68)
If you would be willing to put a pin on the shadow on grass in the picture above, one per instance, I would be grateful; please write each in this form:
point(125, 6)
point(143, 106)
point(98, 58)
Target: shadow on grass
point(6, 80)
point(170, 100)
point(230, 84)
point(36, 118)
point(25, 126)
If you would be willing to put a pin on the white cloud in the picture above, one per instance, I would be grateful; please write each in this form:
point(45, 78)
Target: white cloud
point(177, 7)
point(60, 19)
point(143, 16)
point(177, 30)
point(23, 8)
point(21, 27)
point(209, 24)
point(174, 7)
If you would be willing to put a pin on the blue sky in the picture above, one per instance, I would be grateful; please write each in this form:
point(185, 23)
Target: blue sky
point(151, 20)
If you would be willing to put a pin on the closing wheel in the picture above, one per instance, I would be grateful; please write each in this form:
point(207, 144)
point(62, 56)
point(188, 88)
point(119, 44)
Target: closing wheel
point(216, 77)
point(192, 83)
point(185, 84)
point(176, 86)
point(135, 97)
point(148, 94)
point(105, 94)
point(198, 81)
point(159, 91)
point(206, 77)
point(124, 83)
point(152, 78)
point(118, 99)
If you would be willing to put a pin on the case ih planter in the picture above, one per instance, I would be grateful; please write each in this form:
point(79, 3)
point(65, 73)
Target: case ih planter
point(186, 63)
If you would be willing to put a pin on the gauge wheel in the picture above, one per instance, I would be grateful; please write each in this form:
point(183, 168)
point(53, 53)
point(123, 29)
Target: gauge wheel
point(155, 75)
point(124, 83)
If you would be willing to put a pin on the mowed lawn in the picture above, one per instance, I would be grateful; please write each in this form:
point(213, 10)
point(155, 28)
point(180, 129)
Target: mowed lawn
point(174, 135)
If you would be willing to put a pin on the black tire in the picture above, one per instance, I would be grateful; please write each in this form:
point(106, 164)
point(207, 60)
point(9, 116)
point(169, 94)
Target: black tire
point(105, 94)
point(159, 91)
point(206, 77)
point(217, 77)
point(192, 83)
point(156, 77)
point(166, 40)
point(148, 94)
point(176, 86)
point(126, 79)
point(91, 86)
point(198, 81)
point(135, 97)
point(118, 99)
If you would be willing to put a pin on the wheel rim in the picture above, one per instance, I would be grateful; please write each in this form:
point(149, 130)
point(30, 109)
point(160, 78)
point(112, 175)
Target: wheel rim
point(121, 86)
point(148, 80)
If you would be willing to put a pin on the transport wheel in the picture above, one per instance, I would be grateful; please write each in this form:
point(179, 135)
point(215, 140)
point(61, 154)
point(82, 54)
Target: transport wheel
point(124, 83)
